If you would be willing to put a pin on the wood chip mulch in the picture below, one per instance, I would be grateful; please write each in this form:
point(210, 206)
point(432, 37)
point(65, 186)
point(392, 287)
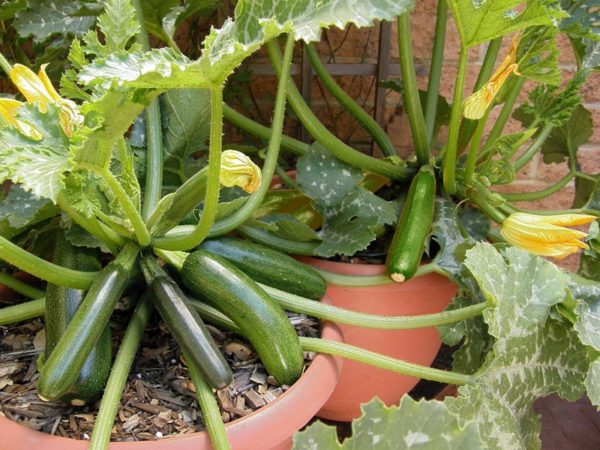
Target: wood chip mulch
point(159, 397)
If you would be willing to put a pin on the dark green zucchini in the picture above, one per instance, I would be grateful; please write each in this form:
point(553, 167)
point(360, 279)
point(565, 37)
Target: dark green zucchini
point(61, 305)
point(62, 367)
point(269, 267)
point(186, 325)
point(261, 320)
point(414, 225)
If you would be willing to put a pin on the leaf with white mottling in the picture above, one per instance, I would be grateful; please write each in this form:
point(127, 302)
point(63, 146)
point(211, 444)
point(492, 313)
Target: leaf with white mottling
point(520, 370)
point(426, 425)
point(592, 383)
point(588, 313)
point(523, 288)
point(224, 49)
point(19, 207)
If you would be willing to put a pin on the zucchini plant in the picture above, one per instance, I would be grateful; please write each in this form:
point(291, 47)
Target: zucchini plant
point(111, 163)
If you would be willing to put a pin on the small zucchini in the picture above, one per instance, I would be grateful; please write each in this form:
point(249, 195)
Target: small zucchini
point(268, 266)
point(260, 319)
point(61, 305)
point(414, 225)
point(186, 325)
point(61, 369)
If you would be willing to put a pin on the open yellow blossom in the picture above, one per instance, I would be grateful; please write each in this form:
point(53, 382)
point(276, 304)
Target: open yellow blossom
point(546, 235)
point(37, 89)
point(239, 170)
point(477, 103)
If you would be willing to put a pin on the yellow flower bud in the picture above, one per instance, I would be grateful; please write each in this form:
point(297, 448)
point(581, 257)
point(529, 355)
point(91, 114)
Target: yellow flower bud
point(546, 235)
point(39, 90)
point(239, 170)
point(477, 103)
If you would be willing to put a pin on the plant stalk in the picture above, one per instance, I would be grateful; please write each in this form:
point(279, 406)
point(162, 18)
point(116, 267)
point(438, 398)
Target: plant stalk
point(40, 268)
point(20, 287)
point(384, 362)
point(119, 373)
point(435, 69)
point(22, 311)
point(505, 113)
point(362, 117)
point(449, 174)
point(533, 149)
point(532, 196)
point(474, 149)
point(411, 92)
point(327, 139)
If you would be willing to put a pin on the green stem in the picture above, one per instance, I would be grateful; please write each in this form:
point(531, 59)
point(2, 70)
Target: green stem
point(5, 64)
point(327, 139)
point(262, 132)
point(532, 196)
point(468, 127)
point(211, 198)
point(112, 240)
point(374, 280)
point(533, 149)
point(289, 181)
point(139, 227)
point(154, 162)
point(363, 118)
point(410, 93)
point(384, 362)
point(435, 69)
point(270, 240)
point(302, 305)
point(38, 267)
point(240, 216)
point(211, 412)
point(480, 195)
point(449, 174)
point(505, 113)
point(118, 375)
point(20, 287)
point(22, 311)
point(473, 151)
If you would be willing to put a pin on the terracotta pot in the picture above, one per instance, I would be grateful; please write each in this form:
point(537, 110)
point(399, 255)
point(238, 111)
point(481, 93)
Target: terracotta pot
point(271, 427)
point(359, 382)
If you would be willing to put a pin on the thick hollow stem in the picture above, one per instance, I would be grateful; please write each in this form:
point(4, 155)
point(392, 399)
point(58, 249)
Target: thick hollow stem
point(211, 199)
point(298, 304)
point(449, 174)
point(412, 101)
point(211, 412)
point(532, 196)
point(373, 128)
point(5, 64)
point(154, 161)
point(20, 287)
point(533, 149)
point(384, 362)
point(260, 131)
point(22, 311)
point(474, 149)
point(505, 113)
point(118, 375)
point(435, 69)
point(327, 139)
point(15, 255)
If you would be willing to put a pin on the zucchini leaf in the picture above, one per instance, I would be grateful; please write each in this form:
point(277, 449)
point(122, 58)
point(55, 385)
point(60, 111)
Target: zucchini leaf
point(39, 166)
point(427, 425)
point(537, 55)
point(352, 215)
point(225, 48)
point(533, 356)
point(583, 29)
point(479, 21)
point(563, 142)
point(20, 207)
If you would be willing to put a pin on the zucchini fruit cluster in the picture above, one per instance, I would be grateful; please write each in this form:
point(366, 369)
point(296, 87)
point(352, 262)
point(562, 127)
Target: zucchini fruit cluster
point(224, 273)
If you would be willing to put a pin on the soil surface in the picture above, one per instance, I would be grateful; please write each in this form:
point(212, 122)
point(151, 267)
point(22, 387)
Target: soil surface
point(159, 398)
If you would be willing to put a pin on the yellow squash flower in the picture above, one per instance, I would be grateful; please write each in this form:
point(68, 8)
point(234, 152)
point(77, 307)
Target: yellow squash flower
point(37, 89)
point(477, 103)
point(546, 235)
point(239, 170)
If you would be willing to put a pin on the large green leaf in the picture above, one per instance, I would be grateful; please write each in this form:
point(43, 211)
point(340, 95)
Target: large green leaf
point(426, 425)
point(44, 18)
point(351, 214)
point(563, 142)
point(520, 303)
point(225, 48)
point(537, 55)
point(479, 21)
point(519, 371)
point(19, 207)
point(38, 165)
point(592, 383)
point(583, 29)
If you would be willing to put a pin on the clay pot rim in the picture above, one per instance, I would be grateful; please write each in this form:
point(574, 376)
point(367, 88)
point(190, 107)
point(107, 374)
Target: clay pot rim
point(319, 380)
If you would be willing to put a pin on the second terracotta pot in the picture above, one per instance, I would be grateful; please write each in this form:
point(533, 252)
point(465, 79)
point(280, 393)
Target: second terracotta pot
point(360, 382)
